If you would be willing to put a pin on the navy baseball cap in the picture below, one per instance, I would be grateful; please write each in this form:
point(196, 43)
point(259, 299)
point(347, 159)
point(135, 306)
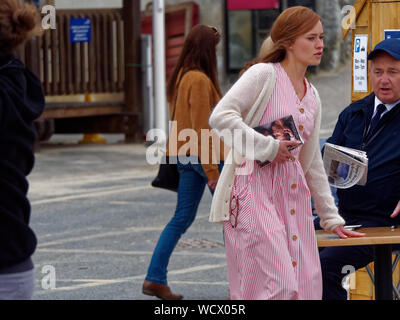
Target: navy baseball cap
point(390, 46)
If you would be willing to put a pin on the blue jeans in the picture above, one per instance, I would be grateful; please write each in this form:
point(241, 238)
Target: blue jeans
point(192, 182)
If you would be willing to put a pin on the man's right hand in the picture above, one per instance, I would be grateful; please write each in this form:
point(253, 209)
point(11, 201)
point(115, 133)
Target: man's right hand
point(396, 211)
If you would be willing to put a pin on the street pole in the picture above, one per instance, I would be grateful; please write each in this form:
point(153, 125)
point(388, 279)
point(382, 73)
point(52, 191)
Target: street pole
point(161, 121)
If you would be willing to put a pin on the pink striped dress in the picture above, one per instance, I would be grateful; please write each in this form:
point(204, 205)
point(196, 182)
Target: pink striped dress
point(272, 252)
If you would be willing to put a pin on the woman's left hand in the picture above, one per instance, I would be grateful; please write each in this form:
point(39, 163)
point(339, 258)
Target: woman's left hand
point(212, 184)
point(345, 233)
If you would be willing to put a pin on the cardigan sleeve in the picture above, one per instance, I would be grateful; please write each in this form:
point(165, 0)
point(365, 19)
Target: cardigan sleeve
point(228, 117)
point(317, 181)
point(321, 194)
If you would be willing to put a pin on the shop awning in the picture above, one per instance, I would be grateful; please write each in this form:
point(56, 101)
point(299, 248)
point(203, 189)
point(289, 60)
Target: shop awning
point(252, 4)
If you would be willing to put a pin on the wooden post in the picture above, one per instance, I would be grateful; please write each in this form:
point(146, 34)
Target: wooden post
point(133, 91)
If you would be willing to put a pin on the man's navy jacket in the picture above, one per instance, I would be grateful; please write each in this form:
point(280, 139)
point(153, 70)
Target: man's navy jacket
point(378, 198)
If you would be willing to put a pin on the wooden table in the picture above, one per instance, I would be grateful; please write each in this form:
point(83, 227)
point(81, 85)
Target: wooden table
point(382, 239)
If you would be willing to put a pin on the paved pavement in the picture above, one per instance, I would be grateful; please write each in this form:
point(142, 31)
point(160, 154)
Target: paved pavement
point(97, 218)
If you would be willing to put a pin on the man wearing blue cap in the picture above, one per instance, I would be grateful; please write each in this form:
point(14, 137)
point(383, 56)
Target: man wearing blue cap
point(371, 124)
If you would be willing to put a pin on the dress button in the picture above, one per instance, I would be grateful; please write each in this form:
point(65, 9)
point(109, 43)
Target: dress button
point(292, 212)
point(301, 110)
point(293, 159)
point(294, 238)
point(301, 127)
point(294, 263)
point(294, 186)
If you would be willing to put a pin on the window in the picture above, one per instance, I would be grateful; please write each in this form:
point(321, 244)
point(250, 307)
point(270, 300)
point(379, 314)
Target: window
point(246, 30)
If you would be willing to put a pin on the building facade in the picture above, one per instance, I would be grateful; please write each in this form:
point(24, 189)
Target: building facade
point(245, 29)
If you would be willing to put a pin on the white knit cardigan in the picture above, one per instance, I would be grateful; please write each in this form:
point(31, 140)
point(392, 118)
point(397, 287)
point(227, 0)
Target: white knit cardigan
point(242, 109)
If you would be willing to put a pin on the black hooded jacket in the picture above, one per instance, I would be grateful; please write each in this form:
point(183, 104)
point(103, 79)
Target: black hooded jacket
point(21, 102)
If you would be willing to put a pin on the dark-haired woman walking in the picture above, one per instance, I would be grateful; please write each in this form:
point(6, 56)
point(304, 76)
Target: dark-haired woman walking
point(192, 92)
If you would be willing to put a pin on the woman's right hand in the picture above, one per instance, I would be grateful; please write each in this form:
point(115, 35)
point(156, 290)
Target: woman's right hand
point(283, 152)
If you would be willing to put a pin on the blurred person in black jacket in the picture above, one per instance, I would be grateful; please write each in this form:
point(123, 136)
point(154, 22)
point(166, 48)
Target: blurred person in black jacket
point(21, 102)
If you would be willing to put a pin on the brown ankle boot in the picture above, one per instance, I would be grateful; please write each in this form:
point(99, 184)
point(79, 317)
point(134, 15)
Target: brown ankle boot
point(161, 291)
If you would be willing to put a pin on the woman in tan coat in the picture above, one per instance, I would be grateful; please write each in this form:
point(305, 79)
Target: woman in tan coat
point(192, 91)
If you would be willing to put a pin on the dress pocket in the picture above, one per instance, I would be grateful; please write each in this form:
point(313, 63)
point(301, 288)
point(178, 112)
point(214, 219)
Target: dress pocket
point(241, 215)
point(243, 179)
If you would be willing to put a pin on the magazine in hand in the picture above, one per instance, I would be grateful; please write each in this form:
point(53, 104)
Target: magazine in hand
point(283, 129)
point(345, 167)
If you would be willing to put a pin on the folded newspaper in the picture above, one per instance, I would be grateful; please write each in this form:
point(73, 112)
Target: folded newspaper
point(283, 129)
point(344, 166)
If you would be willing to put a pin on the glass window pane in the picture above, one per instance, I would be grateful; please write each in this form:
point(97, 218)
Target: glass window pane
point(264, 22)
point(240, 38)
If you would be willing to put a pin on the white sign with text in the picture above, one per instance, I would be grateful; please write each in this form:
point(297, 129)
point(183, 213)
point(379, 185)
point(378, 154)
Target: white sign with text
point(360, 63)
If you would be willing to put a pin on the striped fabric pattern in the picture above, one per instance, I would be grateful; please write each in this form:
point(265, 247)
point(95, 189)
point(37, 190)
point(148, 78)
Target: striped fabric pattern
point(272, 253)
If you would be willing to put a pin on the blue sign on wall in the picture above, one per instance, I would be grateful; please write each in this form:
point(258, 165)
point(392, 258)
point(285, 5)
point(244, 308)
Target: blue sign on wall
point(80, 30)
point(392, 34)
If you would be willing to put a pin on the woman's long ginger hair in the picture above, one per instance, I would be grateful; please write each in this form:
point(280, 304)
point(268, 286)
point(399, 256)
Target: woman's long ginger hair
point(198, 53)
point(291, 23)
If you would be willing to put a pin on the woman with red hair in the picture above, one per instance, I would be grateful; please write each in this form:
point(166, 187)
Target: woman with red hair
point(270, 240)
